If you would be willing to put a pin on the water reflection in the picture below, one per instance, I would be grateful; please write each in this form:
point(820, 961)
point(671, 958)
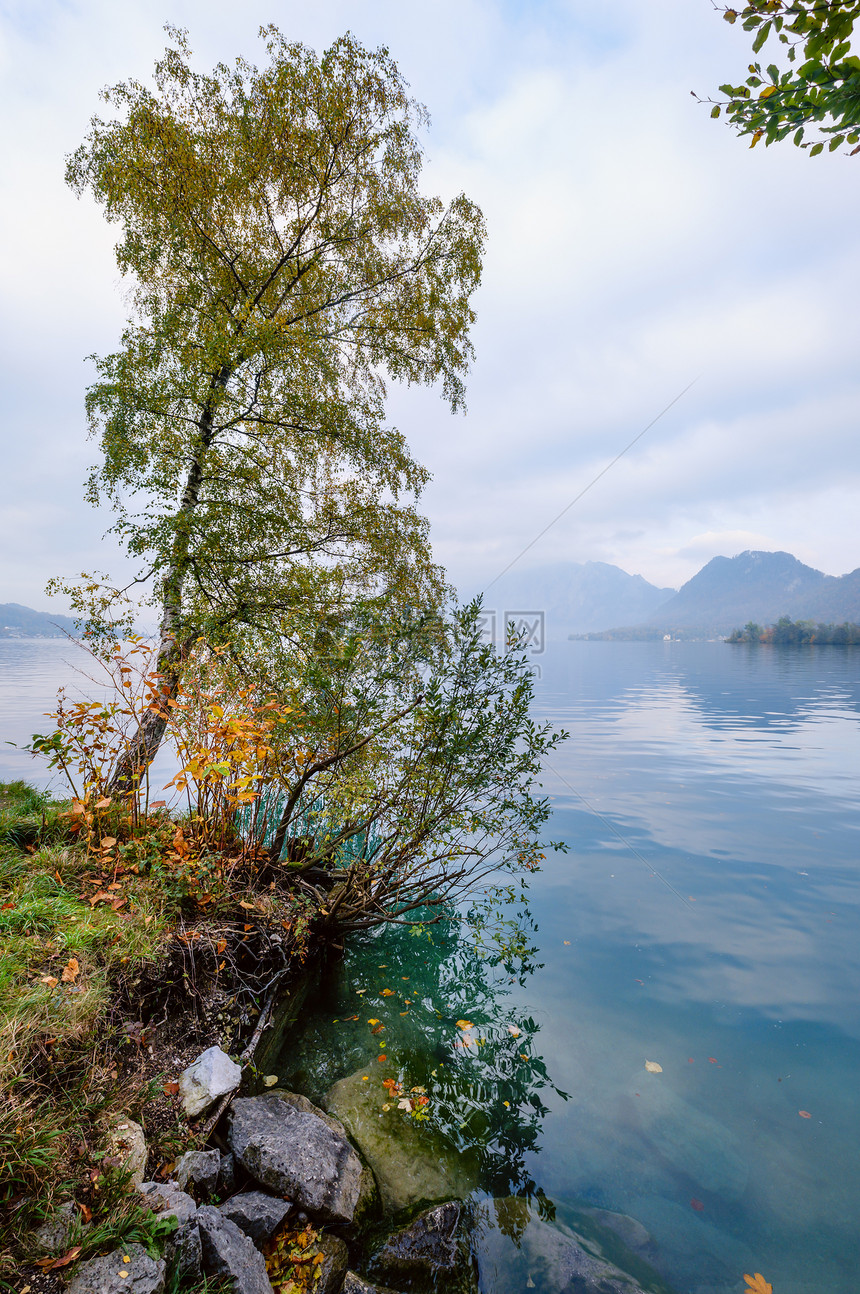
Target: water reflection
point(448, 1028)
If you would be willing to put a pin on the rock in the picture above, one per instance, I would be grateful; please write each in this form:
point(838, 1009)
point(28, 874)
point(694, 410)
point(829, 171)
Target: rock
point(255, 1213)
point(110, 1274)
point(334, 1265)
point(55, 1234)
point(693, 1141)
point(554, 1259)
point(227, 1174)
point(630, 1231)
point(411, 1164)
point(168, 1201)
point(199, 1168)
point(355, 1284)
point(292, 1148)
point(227, 1251)
point(184, 1254)
point(125, 1141)
point(430, 1253)
point(211, 1075)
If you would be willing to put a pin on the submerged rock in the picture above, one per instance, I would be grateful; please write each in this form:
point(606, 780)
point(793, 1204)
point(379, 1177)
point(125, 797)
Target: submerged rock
point(211, 1075)
point(355, 1284)
point(111, 1273)
point(257, 1214)
point(430, 1253)
point(692, 1141)
point(294, 1149)
point(515, 1250)
point(227, 1251)
point(411, 1164)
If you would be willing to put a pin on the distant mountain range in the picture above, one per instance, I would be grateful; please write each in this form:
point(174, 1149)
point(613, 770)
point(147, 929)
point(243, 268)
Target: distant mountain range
point(598, 599)
point(23, 622)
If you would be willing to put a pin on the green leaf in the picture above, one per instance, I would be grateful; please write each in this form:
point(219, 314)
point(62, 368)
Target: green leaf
point(715, 111)
point(816, 149)
point(835, 142)
point(761, 36)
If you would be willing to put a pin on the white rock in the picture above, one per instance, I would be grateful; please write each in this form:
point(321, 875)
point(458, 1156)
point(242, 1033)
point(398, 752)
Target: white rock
point(211, 1075)
point(126, 1142)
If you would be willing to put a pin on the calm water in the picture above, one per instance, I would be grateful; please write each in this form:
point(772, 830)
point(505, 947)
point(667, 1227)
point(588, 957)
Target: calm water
point(705, 920)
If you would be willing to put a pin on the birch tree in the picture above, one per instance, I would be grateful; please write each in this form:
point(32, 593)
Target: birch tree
point(283, 265)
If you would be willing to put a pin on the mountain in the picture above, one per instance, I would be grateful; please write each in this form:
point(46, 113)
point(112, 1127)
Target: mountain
point(575, 597)
point(23, 622)
point(729, 591)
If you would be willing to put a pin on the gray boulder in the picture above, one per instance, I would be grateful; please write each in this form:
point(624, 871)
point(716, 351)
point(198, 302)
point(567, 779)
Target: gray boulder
point(55, 1234)
point(255, 1213)
point(184, 1254)
point(227, 1174)
point(111, 1274)
point(167, 1200)
point(228, 1252)
point(411, 1163)
point(430, 1253)
point(126, 1144)
point(211, 1075)
point(199, 1169)
point(292, 1148)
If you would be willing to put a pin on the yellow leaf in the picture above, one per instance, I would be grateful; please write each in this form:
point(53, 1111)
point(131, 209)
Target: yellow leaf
point(388, 992)
point(464, 1024)
point(768, 91)
point(653, 1067)
point(758, 1285)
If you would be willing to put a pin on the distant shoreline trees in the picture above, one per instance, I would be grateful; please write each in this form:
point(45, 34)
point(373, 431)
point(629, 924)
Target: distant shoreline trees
point(798, 633)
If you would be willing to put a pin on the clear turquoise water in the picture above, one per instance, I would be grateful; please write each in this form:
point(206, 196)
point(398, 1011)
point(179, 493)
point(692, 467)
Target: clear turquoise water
point(707, 921)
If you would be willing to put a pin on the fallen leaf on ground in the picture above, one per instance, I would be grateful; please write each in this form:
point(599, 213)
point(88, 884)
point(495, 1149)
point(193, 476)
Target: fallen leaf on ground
point(270, 1080)
point(170, 1089)
point(70, 971)
point(53, 1264)
point(653, 1067)
point(50, 980)
point(758, 1285)
point(108, 842)
point(804, 1114)
point(86, 1213)
point(221, 946)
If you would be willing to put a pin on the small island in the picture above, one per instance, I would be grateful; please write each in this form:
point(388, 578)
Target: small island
point(798, 633)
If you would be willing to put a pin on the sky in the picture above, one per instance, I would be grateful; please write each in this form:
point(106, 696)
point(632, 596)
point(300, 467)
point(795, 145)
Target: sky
point(635, 247)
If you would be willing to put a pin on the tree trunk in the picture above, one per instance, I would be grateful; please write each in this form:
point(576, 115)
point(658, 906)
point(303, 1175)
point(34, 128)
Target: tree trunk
point(145, 744)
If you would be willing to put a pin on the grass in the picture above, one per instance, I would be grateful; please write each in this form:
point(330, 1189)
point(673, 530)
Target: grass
point(93, 933)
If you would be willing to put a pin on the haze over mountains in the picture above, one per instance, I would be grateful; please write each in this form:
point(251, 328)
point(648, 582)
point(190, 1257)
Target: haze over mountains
point(598, 598)
point(595, 597)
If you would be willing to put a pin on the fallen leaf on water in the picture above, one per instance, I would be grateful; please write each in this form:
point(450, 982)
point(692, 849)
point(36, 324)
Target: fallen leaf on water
point(388, 992)
point(378, 1028)
point(523, 1056)
point(712, 1060)
point(640, 981)
point(653, 1067)
point(566, 941)
point(506, 1104)
point(697, 1205)
point(382, 1059)
point(690, 1060)
point(464, 1024)
point(758, 1284)
point(404, 1104)
point(804, 1114)
point(365, 1078)
point(373, 1022)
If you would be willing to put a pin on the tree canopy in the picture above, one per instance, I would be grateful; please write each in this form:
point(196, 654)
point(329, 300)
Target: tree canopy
point(283, 264)
point(815, 95)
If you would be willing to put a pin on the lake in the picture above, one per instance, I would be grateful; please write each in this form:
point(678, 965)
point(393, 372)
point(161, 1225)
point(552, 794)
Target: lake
point(704, 921)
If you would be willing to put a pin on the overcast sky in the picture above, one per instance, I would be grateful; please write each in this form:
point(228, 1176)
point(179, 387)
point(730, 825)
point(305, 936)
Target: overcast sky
point(634, 245)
